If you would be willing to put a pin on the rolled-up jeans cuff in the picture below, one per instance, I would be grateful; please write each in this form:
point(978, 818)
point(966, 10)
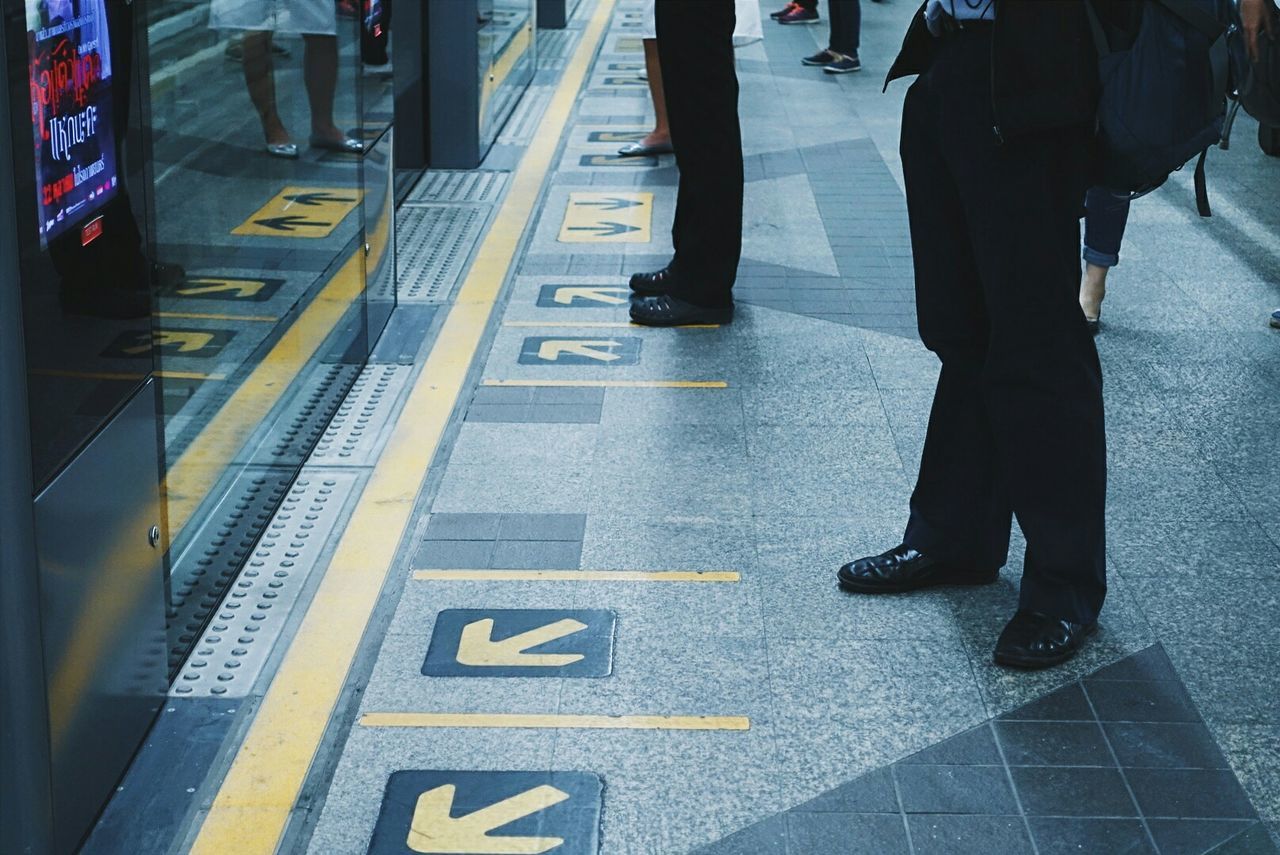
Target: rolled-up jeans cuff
point(1100, 259)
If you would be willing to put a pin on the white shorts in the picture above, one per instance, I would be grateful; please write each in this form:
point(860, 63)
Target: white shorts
point(649, 21)
point(309, 17)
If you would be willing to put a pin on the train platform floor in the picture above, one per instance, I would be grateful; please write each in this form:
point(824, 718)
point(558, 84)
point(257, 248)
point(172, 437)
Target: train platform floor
point(584, 599)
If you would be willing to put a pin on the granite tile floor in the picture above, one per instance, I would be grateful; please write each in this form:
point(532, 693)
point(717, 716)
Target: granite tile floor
point(875, 726)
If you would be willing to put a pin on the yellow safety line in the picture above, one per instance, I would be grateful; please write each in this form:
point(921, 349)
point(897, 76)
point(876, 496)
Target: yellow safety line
point(249, 813)
point(125, 375)
point(616, 384)
point(214, 316)
point(576, 576)
point(556, 720)
point(600, 325)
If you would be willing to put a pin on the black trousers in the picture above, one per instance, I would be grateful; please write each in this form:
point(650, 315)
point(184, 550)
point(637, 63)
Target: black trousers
point(846, 26)
point(1017, 419)
point(695, 47)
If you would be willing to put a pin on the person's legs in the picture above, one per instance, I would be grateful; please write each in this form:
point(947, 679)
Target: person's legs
point(846, 26)
point(960, 511)
point(1041, 380)
point(661, 133)
point(259, 77)
point(1105, 218)
point(320, 72)
point(695, 48)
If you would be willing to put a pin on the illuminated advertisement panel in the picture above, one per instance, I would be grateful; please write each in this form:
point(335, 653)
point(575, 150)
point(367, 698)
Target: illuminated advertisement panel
point(69, 52)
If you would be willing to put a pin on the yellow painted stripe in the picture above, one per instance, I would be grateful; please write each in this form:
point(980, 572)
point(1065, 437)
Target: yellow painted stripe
point(615, 384)
point(249, 812)
point(599, 325)
point(125, 375)
point(576, 576)
point(557, 721)
point(214, 316)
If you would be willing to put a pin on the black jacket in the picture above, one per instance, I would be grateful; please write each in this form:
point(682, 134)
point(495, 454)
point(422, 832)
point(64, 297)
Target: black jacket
point(1044, 66)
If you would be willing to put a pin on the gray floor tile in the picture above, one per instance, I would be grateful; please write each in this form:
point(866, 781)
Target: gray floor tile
point(955, 789)
point(668, 540)
point(462, 527)
point(536, 555)
point(969, 835)
point(1194, 836)
point(1064, 836)
point(1042, 743)
point(855, 834)
point(768, 837)
point(976, 747)
point(558, 527)
point(1206, 793)
point(1165, 746)
point(1060, 791)
point(461, 554)
point(874, 792)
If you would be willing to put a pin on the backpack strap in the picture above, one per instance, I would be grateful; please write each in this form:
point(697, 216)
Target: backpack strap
point(1202, 190)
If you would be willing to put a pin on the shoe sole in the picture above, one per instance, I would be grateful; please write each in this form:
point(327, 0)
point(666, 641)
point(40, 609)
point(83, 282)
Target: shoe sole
point(720, 320)
point(812, 64)
point(842, 70)
point(1040, 664)
point(795, 23)
point(949, 582)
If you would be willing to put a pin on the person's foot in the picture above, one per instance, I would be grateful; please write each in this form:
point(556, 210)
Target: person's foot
point(653, 284)
point(669, 311)
point(904, 569)
point(783, 11)
point(1033, 640)
point(822, 57)
point(1093, 289)
point(652, 145)
point(843, 65)
point(1275, 319)
point(799, 15)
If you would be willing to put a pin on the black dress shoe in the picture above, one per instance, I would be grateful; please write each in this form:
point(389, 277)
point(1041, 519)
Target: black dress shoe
point(668, 311)
point(1034, 640)
point(904, 569)
point(653, 284)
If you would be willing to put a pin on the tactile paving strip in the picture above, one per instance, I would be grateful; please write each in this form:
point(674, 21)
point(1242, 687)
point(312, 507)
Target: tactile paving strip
point(231, 653)
point(356, 432)
point(523, 122)
point(433, 243)
point(206, 567)
point(314, 399)
point(463, 186)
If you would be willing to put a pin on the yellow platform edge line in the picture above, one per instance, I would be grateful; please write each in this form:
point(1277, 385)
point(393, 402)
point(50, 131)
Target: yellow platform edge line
point(251, 809)
point(557, 721)
point(576, 576)
point(615, 384)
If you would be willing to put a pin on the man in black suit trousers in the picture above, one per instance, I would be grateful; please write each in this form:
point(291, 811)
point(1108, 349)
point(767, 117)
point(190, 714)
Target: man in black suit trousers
point(996, 151)
point(695, 49)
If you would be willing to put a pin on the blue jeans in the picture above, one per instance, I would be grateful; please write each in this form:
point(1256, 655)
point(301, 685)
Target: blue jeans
point(1105, 217)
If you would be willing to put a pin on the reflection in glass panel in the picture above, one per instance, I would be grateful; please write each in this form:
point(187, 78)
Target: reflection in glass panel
point(258, 190)
point(506, 37)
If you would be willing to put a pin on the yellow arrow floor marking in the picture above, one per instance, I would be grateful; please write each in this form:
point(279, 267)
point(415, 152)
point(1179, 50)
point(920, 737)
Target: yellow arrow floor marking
point(478, 648)
point(240, 287)
point(551, 350)
point(436, 831)
point(556, 721)
point(576, 576)
point(623, 216)
point(565, 296)
point(187, 342)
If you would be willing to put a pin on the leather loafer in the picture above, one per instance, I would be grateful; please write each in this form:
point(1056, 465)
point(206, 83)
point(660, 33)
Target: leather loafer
point(904, 569)
point(668, 311)
point(653, 284)
point(1033, 640)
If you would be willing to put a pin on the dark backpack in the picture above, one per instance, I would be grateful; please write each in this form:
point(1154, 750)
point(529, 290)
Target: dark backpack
point(1256, 85)
point(1163, 98)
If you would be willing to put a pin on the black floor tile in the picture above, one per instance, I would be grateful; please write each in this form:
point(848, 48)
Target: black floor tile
point(1053, 743)
point(955, 789)
point(933, 834)
point(1066, 704)
point(976, 747)
point(847, 833)
point(1190, 793)
point(1255, 840)
point(1164, 700)
point(1062, 836)
point(1165, 745)
point(869, 793)
point(768, 837)
point(1057, 791)
point(1150, 664)
point(1194, 836)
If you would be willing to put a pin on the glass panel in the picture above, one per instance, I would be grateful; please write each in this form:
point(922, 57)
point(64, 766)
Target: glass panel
point(507, 61)
point(261, 324)
point(86, 297)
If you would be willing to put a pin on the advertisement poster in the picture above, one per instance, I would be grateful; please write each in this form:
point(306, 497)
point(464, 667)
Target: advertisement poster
point(69, 55)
